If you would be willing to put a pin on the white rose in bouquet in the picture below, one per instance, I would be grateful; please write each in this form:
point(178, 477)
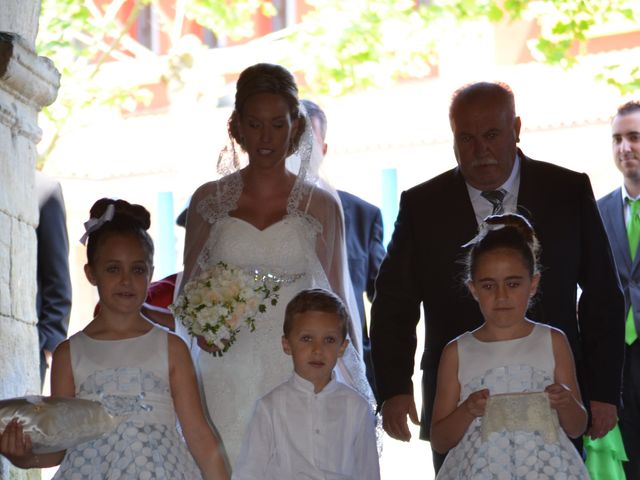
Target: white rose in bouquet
point(219, 303)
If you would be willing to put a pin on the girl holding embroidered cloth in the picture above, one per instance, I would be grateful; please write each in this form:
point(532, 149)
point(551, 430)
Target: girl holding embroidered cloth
point(507, 397)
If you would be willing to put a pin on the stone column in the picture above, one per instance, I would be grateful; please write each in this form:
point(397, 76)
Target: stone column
point(27, 83)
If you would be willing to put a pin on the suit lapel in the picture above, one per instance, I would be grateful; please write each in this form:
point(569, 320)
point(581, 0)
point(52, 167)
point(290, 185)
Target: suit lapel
point(612, 212)
point(528, 190)
point(462, 196)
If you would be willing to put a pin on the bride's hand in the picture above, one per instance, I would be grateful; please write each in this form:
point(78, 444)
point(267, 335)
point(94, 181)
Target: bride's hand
point(202, 343)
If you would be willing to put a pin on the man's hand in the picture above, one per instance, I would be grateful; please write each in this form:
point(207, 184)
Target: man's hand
point(47, 357)
point(394, 416)
point(603, 418)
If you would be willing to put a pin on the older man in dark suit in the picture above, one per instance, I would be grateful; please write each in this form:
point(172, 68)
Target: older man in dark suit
point(363, 235)
point(621, 215)
point(423, 265)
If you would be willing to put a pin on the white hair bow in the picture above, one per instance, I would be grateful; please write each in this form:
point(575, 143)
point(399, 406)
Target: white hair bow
point(94, 224)
point(482, 232)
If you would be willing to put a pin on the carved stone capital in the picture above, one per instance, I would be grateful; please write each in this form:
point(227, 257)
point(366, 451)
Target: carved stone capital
point(27, 83)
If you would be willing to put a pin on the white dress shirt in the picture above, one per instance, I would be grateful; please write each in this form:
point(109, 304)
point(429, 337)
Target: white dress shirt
point(483, 207)
point(298, 434)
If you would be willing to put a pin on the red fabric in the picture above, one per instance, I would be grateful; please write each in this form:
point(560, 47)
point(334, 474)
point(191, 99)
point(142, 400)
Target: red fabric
point(160, 293)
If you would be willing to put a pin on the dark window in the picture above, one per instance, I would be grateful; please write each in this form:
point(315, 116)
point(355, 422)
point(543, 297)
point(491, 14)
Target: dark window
point(279, 20)
point(210, 39)
point(146, 29)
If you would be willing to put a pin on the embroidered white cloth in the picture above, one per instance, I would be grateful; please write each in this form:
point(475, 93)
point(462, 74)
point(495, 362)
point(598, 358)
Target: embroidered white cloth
point(525, 412)
point(57, 423)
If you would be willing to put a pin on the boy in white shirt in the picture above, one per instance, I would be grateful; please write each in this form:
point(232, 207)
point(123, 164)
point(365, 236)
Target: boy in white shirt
point(311, 426)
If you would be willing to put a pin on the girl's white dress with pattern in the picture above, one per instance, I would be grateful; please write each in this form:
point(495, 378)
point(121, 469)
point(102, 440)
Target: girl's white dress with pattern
point(510, 366)
point(131, 378)
point(303, 250)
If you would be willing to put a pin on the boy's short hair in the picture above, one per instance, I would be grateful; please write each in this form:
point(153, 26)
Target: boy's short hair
point(315, 300)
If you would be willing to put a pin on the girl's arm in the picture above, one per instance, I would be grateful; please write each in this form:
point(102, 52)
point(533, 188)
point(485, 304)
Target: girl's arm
point(450, 421)
point(206, 448)
point(564, 395)
point(14, 443)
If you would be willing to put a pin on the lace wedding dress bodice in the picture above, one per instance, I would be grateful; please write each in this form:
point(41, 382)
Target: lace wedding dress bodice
point(276, 248)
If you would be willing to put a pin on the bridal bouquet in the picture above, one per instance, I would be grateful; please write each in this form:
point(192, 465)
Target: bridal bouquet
point(220, 302)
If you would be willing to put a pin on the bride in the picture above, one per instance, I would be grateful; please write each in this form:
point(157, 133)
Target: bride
point(272, 217)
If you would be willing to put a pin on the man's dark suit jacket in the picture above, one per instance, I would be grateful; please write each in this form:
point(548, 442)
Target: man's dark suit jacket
point(612, 211)
point(424, 263)
point(53, 301)
point(365, 251)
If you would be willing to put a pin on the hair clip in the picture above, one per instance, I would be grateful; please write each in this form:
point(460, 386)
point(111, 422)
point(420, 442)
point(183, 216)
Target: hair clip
point(484, 229)
point(94, 224)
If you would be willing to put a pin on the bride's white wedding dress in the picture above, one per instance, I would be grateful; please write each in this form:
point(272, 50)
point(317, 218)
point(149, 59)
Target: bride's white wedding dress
point(256, 363)
point(295, 249)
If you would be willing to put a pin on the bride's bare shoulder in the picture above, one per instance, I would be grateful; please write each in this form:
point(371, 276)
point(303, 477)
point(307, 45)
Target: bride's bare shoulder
point(210, 188)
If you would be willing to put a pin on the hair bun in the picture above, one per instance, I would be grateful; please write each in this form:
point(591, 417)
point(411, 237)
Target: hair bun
point(123, 209)
point(513, 220)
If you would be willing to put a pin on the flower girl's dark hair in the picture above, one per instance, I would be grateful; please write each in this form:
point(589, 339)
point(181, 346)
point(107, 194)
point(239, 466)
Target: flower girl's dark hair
point(125, 219)
point(509, 230)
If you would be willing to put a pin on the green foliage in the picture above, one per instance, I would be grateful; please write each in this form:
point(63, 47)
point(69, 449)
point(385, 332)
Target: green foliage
point(231, 18)
point(344, 46)
point(626, 79)
point(570, 22)
point(359, 44)
point(340, 45)
point(83, 39)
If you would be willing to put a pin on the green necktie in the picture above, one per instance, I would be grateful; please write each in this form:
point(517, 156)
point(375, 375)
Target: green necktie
point(633, 234)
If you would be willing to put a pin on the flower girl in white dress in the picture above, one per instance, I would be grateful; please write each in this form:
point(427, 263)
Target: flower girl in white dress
point(507, 394)
point(136, 370)
point(265, 215)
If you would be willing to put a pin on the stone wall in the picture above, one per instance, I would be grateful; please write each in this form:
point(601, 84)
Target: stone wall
point(27, 83)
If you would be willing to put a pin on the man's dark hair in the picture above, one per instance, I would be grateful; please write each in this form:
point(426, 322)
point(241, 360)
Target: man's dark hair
point(632, 106)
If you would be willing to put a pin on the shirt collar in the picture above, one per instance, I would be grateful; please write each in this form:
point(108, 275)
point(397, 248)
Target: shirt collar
point(625, 195)
point(306, 386)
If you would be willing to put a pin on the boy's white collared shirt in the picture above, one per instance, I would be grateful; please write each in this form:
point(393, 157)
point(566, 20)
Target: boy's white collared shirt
point(296, 433)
